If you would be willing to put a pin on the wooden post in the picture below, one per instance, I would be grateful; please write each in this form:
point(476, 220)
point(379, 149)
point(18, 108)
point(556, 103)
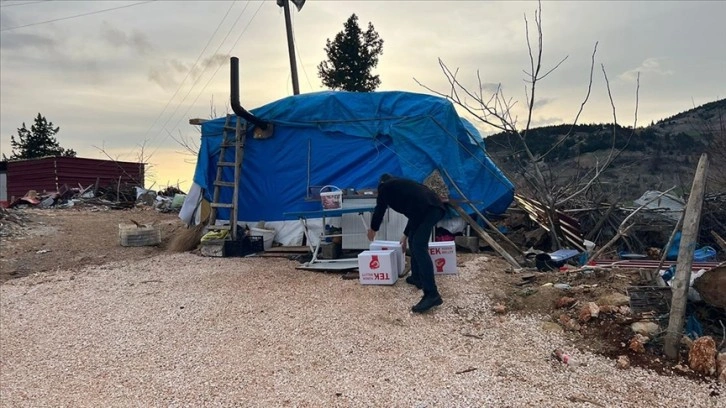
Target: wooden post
point(682, 280)
point(483, 218)
point(486, 237)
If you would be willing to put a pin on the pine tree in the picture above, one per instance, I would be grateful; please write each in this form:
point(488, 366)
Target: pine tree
point(351, 57)
point(39, 141)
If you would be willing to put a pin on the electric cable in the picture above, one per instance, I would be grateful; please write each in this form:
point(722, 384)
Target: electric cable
point(190, 70)
point(76, 16)
point(214, 74)
point(194, 84)
point(20, 4)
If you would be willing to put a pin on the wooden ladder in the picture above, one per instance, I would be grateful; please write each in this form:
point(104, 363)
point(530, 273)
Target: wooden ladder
point(237, 143)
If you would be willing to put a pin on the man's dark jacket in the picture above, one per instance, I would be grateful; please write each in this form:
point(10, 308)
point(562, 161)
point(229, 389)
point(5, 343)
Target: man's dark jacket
point(407, 197)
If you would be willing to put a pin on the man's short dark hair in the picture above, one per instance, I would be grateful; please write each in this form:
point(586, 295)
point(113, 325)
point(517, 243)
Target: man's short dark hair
point(385, 177)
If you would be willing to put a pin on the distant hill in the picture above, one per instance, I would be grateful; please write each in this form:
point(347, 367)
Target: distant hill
point(657, 156)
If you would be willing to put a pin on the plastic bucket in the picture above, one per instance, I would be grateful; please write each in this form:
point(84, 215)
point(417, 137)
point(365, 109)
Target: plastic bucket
point(331, 200)
point(268, 235)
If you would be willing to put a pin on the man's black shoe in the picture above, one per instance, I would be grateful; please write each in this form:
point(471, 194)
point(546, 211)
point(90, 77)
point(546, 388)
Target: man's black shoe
point(413, 281)
point(426, 303)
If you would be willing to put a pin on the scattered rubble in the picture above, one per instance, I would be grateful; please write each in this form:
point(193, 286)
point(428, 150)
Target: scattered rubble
point(623, 362)
point(121, 196)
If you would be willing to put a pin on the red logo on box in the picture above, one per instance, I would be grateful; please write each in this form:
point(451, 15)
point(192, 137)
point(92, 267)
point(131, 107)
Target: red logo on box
point(440, 262)
point(374, 264)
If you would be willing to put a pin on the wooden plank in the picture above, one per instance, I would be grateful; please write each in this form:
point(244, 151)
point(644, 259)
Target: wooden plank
point(720, 241)
point(486, 237)
point(681, 282)
point(480, 215)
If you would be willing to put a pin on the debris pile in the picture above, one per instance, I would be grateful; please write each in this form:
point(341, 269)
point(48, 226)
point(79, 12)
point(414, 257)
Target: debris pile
point(119, 196)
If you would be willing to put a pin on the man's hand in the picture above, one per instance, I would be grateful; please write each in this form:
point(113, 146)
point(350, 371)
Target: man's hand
point(371, 234)
point(403, 241)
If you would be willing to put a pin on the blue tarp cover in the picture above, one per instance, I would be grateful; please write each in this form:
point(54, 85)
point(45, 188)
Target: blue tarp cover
point(348, 140)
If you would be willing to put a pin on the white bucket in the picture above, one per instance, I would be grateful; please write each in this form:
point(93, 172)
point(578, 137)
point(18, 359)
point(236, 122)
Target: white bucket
point(268, 235)
point(331, 200)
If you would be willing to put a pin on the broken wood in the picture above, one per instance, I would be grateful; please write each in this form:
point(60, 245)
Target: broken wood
point(720, 241)
point(483, 235)
point(617, 236)
point(664, 255)
point(622, 230)
point(590, 235)
point(480, 215)
point(682, 279)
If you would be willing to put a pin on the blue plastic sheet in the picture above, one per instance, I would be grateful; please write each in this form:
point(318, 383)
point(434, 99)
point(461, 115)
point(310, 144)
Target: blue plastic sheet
point(349, 139)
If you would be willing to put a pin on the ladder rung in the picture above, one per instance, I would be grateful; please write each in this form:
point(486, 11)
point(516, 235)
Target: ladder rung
point(226, 164)
point(221, 205)
point(219, 227)
point(230, 128)
point(228, 145)
point(224, 183)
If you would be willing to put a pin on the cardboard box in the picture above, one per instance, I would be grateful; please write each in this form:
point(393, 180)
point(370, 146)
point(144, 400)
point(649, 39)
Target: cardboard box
point(378, 245)
point(377, 267)
point(443, 255)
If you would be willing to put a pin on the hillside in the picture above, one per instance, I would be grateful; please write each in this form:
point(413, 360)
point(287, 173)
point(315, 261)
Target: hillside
point(659, 156)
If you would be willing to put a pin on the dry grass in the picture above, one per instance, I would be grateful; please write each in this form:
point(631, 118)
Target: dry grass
point(186, 239)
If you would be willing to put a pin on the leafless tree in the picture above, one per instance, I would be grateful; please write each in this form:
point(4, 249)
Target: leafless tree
point(142, 158)
point(496, 109)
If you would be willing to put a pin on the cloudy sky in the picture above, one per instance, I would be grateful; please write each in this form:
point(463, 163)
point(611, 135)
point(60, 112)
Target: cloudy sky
point(116, 76)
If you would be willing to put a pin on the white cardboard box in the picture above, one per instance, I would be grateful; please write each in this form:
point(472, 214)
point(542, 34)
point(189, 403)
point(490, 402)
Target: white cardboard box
point(377, 267)
point(443, 255)
point(379, 245)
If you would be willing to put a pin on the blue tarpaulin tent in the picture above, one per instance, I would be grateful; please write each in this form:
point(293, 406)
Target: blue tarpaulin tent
point(349, 139)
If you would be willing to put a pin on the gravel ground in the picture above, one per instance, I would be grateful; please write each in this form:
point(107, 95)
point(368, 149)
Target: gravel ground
point(182, 330)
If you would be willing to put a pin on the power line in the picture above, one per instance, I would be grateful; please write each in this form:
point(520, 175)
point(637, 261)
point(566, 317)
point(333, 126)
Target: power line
point(21, 4)
point(190, 70)
point(213, 75)
point(297, 52)
point(163, 127)
point(75, 16)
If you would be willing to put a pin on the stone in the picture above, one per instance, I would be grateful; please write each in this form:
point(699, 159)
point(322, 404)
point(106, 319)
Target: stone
point(568, 323)
point(623, 362)
point(681, 368)
point(565, 301)
point(721, 366)
point(589, 311)
point(702, 356)
point(607, 309)
point(614, 299)
point(499, 308)
point(711, 286)
point(637, 343)
point(552, 327)
point(649, 329)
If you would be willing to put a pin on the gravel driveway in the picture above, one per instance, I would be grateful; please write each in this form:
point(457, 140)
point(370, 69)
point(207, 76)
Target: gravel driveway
point(182, 330)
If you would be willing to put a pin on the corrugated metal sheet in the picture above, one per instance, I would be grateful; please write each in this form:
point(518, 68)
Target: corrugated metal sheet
point(52, 173)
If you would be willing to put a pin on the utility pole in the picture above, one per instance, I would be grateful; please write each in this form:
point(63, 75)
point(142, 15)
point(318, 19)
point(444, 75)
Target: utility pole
point(290, 45)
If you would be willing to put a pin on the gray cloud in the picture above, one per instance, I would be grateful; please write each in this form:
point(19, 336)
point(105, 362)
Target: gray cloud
point(490, 87)
point(649, 66)
point(137, 41)
point(542, 102)
point(19, 41)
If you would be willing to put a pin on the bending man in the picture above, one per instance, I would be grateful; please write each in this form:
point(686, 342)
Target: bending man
point(423, 208)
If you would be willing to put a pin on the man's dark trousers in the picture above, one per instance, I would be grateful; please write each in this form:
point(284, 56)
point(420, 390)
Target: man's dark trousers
point(422, 268)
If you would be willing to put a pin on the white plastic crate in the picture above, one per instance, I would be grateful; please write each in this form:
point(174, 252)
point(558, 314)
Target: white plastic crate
point(135, 235)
